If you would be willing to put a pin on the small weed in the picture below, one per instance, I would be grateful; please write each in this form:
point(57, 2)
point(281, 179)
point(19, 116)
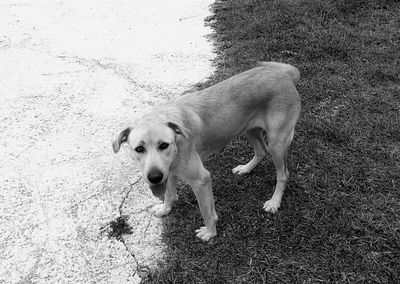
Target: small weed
point(119, 227)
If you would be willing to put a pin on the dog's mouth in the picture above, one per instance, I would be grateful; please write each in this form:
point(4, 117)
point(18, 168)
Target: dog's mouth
point(158, 190)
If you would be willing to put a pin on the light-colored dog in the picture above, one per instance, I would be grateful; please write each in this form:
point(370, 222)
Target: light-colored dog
point(175, 139)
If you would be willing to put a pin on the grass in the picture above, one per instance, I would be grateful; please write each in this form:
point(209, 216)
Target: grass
point(340, 217)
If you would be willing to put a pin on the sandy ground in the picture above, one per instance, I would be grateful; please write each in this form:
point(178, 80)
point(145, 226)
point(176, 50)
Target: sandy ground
point(72, 74)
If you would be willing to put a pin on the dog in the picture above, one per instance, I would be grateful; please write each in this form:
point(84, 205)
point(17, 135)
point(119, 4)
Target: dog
point(176, 138)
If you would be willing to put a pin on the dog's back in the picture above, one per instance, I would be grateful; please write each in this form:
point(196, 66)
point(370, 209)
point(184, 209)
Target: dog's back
point(255, 84)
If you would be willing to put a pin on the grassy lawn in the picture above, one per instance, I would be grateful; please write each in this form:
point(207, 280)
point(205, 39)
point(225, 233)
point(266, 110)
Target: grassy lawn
point(340, 217)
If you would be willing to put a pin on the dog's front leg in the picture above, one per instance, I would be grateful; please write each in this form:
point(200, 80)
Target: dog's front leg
point(170, 197)
point(202, 189)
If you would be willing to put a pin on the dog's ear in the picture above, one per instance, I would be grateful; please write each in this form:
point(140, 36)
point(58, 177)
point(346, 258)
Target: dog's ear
point(122, 137)
point(177, 129)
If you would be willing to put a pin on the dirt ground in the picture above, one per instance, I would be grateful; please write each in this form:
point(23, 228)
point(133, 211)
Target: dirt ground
point(72, 75)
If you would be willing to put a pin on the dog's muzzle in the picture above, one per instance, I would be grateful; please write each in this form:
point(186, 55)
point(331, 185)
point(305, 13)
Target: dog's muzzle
point(157, 185)
point(155, 176)
point(158, 190)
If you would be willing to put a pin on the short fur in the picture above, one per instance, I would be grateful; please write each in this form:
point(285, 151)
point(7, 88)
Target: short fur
point(196, 125)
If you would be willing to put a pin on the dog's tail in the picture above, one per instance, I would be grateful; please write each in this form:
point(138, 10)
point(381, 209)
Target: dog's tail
point(290, 70)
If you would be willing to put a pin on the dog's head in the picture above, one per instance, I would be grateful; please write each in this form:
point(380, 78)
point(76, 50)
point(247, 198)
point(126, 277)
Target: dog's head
point(153, 146)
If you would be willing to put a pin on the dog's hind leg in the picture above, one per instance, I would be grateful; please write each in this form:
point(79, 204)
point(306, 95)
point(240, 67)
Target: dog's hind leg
point(279, 139)
point(255, 137)
point(170, 197)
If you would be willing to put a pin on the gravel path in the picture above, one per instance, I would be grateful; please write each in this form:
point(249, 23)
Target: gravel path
point(72, 74)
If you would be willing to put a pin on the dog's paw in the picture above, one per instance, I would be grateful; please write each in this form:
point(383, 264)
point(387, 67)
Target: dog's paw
point(205, 234)
point(271, 206)
point(242, 170)
point(160, 210)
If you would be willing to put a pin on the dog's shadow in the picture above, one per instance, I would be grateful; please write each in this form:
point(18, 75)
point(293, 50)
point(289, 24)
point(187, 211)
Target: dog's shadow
point(245, 230)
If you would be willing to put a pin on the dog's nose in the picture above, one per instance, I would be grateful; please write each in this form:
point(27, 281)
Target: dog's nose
point(155, 176)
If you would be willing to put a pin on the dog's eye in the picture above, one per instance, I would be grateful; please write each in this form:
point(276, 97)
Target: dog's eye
point(163, 146)
point(139, 149)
